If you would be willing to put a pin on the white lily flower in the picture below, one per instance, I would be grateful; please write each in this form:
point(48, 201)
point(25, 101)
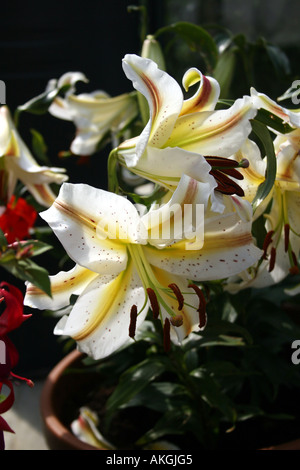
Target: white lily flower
point(180, 133)
point(120, 271)
point(282, 243)
point(94, 114)
point(19, 164)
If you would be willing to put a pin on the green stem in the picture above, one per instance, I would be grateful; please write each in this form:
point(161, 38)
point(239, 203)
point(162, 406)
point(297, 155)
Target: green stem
point(113, 183)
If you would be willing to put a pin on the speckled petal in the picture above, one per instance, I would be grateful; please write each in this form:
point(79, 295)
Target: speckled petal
point(288, 115)
point(164, 97)
point(100, 319)
point(63, 285)
point(228, 249)
point(94, 226)
point(220, 133)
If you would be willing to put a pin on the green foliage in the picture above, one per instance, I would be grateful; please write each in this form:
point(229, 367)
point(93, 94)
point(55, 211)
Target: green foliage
point(217, 379)
point(17, 259)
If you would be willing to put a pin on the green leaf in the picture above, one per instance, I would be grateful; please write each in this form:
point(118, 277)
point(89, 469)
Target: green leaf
point(37, 247)
point(39, 146)
point(27, 270)
point(3, 241)
point(197, 38)
point(266, 141)
point(171, 423)
point(39, 104)
point(224, 71)
point(278, 59)
point(271, 120)
point(134, 380)
point(159, 396)
point(213, 394)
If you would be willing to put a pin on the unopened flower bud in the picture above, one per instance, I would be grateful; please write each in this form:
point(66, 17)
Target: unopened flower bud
point(151, 50)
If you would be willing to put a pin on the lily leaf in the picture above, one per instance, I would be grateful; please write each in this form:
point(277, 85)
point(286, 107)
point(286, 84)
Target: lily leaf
point(197, 38)
point(133, 381)
point(26, 270)
point(271, 120)
point(39, 146)
point(266, 141)
point(40, 104)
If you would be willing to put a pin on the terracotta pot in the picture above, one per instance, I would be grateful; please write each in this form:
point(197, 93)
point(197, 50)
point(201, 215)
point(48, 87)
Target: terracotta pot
point(53, 398)
point(55, 395)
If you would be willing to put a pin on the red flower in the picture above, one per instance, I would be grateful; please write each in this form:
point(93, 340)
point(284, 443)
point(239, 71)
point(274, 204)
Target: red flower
point(11, 317)
point(17, 219)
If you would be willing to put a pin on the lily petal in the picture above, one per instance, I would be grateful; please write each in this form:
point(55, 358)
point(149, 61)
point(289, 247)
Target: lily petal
point(219, 133)
point(91, 224)
point(164, 97)
point(261, 100)
point(100, 318)
point(207, 95)
point(63, 285)
point(20, 164)
point(228, 248)
point(94, 114)
point(180, 218)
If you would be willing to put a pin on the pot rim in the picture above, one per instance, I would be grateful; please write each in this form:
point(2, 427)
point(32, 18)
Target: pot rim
point(51, 422)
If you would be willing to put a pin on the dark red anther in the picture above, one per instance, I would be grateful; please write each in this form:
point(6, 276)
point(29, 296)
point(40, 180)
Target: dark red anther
point(167, 337)
point(294, 269)
point(178, 294)
point(266, 243)
point(226, 185)
point(286, 237)
point(133, 317)
point(153, 302)
point(221, 162)
point(272, 259)
point(294, 258)
point(202, 305)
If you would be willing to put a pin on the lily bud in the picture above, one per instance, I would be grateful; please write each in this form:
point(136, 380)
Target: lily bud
point(151, 50)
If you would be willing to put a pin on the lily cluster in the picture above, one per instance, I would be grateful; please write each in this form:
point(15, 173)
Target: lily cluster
point(193, 154)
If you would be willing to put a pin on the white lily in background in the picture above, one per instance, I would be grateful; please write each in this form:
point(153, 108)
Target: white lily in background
point(180, 132)
point(19, 164)
point(120, 271)
point(282, 243)
point(94, 114)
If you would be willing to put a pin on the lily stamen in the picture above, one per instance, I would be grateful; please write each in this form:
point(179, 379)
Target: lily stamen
point(272, 259)
point(153, 302)
point(286, 237)
point(266, 243)
point(133, 317)
point(295, 268)
point(167, 337)
point(221, 167)
point(177, 320)
point(178, 294)
point(202, 305)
